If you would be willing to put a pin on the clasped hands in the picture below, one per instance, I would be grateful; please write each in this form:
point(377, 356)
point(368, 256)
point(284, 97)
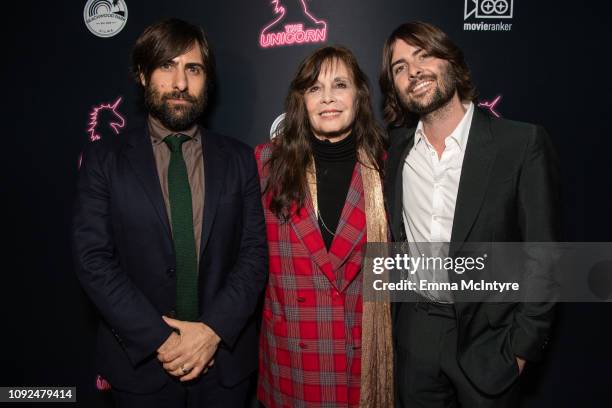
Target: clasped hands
point(190, 351)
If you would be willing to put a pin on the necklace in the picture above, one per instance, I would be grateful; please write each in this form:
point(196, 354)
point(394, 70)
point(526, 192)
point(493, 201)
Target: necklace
point(324, 225)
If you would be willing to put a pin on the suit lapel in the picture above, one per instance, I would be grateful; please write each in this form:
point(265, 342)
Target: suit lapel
point(215, 163)
point(479, 157)
point(396, 167)
point(306, 228)
point(350, 230)
point(140, 156)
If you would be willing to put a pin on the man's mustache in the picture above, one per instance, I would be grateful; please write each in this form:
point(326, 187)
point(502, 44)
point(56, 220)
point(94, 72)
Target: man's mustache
point(415, 81)
point(179, 95)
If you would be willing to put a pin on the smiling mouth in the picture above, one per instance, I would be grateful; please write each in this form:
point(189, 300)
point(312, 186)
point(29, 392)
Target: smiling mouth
point(421, 87)
point(330, 114)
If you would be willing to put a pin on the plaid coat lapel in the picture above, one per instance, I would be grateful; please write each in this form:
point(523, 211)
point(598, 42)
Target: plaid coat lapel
point(310, 350)
point(350, 231)
point(306, 227)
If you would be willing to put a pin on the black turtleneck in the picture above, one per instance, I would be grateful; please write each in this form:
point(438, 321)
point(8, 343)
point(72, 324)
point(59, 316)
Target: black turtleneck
point(334, 163)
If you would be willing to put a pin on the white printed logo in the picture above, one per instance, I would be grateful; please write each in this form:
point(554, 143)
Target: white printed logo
point(488, 9)
point(275, 128)
point(105, 18)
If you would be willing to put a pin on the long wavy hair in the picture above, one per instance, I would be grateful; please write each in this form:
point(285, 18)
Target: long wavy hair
point(436, 43)
point(291, 150)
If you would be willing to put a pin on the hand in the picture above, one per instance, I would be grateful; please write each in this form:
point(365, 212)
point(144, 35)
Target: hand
point(171, 342)
point(521, 364)
point(195, 351)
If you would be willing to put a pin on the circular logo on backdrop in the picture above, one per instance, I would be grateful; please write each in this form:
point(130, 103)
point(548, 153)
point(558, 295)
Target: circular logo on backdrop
point(105, 18)
point(275, 128)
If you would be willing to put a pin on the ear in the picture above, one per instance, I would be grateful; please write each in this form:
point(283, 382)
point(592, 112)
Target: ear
point(143, 81)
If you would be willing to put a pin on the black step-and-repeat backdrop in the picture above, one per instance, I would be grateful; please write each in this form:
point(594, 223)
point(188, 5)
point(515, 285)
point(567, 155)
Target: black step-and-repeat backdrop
point(67, 82)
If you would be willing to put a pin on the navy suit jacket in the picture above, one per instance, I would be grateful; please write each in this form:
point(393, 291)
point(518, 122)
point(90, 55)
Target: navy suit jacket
point(125, 260)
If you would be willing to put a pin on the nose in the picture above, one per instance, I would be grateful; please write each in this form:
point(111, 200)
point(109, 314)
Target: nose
point(180, 80)
point(414, 71)
point(327, 96)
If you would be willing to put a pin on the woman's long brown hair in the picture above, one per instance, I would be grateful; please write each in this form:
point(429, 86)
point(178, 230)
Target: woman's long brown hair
point(291, 151)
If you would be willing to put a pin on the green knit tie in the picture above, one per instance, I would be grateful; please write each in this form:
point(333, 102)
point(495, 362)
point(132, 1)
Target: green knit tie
point(182, 231)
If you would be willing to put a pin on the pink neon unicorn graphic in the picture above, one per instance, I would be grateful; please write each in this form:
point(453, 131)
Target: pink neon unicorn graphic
point(292, 25)
point(102, 384)
point(98, 119)
point(491, 105)
point(103, 120)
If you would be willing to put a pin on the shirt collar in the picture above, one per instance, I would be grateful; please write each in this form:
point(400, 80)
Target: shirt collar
point(159, 132)
point(459, 135)
point(419, 134)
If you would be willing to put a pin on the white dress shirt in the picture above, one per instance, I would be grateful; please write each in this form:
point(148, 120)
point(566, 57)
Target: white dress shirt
point(429, 195)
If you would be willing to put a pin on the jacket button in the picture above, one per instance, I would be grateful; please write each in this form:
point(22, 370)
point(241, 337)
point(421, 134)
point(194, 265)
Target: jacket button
point(171, 314)
point(302, 345)
point(301, 299)
point(170, 271)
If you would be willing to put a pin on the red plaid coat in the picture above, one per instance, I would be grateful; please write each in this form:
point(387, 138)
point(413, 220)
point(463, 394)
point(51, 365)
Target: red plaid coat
point(310, 348)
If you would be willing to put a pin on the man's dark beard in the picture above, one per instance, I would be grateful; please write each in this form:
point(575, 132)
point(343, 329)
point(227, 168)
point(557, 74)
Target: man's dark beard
point(177, 118)
point(442, 94)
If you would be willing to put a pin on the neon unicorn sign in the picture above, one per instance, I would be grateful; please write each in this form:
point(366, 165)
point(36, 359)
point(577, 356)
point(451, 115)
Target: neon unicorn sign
point(491, 105)
point(94, 126)
point(102, 384)
point(115, 123)
point(288, 26)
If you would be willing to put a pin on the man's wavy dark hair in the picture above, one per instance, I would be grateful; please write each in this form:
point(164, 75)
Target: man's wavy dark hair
point(165, 40)
point(291, 151)
point(437, 44)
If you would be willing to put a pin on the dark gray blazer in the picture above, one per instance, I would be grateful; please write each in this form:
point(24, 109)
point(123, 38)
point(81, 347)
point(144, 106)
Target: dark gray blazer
point(508, 192)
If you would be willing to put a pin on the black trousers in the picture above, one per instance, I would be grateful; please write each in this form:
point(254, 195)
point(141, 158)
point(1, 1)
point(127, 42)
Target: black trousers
point(427, 372)
point(203, 392)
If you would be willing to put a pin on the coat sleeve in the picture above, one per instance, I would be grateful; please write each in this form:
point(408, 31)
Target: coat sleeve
point(134, 321)
point(540, 221)
point(237, 301)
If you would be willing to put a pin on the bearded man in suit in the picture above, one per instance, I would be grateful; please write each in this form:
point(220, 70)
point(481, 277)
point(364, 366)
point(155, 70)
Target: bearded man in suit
point(461, 176)
point(169, 239)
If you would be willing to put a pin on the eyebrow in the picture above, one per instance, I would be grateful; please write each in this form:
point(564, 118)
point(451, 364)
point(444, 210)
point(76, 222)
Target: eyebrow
point(403, 60)
point(336, 79)
point(187, 65)
point(399, 61)
point(194, 64)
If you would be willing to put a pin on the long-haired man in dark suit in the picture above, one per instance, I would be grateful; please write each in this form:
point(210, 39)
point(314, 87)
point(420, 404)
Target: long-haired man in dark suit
point(461, 176)
point(169, 239)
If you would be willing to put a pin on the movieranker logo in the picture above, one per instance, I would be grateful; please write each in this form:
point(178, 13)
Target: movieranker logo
point(487, 10)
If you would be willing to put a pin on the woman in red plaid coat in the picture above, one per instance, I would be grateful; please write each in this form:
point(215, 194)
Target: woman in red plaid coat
point(321, 345)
